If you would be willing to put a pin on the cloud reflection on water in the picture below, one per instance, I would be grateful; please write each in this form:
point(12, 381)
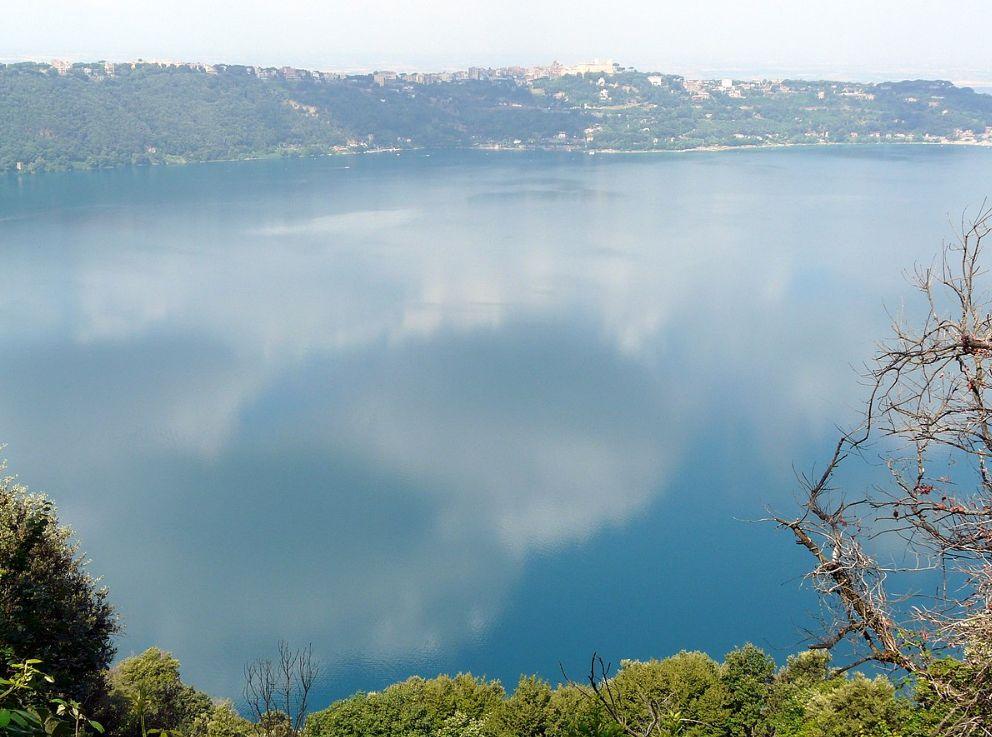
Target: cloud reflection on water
point(353, 408)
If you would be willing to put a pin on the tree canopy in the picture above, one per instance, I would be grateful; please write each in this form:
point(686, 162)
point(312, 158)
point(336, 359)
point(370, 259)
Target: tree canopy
point(51, 608)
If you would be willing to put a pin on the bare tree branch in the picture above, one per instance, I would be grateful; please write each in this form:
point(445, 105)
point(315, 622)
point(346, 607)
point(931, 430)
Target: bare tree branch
point(929, 416)
point(281, 687)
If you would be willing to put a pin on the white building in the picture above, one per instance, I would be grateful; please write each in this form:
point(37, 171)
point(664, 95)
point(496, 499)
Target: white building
point(596, 66)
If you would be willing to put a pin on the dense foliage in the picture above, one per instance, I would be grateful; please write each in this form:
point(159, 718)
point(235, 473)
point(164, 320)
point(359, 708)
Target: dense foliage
point(147, 693)
point(51, 609)
point(96, 115)
point(745, 695)
point(27, 709)
point(148, 697)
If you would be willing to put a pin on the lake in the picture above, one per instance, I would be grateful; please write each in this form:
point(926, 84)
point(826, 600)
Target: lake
point(457, 410)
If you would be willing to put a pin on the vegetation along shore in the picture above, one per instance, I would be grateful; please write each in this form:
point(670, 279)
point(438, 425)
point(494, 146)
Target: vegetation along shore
point(88, 115)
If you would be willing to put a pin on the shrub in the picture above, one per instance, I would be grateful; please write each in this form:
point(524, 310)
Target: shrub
point(50, 607)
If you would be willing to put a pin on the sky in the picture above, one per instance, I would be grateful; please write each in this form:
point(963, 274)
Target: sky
point(881, 39)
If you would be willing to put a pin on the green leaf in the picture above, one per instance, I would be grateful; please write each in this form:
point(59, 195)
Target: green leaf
point(4, 718)
point(97, 726)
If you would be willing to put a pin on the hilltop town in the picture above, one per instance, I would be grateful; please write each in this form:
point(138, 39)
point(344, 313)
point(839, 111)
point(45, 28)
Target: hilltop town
point(518, 73)
point(80, 115)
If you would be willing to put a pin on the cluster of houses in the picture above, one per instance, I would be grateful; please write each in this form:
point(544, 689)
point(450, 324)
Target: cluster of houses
point(382, 78)
point(516, 73)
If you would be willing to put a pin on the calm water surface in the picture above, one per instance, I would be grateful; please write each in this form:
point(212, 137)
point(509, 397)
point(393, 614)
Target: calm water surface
point(463, 411)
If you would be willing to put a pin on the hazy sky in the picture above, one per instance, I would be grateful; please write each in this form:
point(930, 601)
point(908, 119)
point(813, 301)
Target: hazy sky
point(874, 38)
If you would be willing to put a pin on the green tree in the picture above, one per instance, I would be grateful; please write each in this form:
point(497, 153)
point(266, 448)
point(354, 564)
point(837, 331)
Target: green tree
point(222, 721)
point(350, 717)
point(936, 715)
point(792, 688)
point(572, 713)
point(856, 707)
point(746, 675)
point(275, 723)
point(416, 707)
point(461, 725)
point(683, 694)
point(51, 608)
point(148, 693)
point(526, 713)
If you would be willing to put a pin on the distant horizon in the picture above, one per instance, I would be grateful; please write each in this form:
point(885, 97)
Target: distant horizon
point(960, 76)
point(708, 38)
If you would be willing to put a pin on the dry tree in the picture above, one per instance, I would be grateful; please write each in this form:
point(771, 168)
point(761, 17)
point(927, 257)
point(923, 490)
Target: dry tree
point(904, 567)
point(277, 692)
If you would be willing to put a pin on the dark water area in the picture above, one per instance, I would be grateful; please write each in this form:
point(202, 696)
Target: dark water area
point(453, 411)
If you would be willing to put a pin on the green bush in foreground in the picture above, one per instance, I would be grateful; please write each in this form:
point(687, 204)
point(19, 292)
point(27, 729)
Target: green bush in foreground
point(27, 710)
point(51, 608)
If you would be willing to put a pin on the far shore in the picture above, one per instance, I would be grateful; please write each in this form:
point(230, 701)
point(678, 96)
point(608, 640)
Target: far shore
point(719, 148)
point(499, 148)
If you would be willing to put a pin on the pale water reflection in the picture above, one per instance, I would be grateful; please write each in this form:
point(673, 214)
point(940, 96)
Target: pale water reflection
point(459, 411)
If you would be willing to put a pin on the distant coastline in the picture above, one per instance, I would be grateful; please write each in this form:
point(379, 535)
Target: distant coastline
point(64, 116)
point(745, 147)
point(517, 150)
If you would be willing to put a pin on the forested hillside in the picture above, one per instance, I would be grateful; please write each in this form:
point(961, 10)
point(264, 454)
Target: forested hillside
point(99, 115)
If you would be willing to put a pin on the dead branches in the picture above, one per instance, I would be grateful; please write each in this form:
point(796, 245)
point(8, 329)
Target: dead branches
point(929, 418)
point(277, 692)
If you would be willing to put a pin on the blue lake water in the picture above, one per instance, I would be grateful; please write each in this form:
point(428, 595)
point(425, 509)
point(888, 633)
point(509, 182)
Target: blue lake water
point(458, 411)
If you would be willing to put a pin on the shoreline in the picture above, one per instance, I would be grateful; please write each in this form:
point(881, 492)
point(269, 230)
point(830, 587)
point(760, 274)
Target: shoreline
point(496, 148)
point(725, 148)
